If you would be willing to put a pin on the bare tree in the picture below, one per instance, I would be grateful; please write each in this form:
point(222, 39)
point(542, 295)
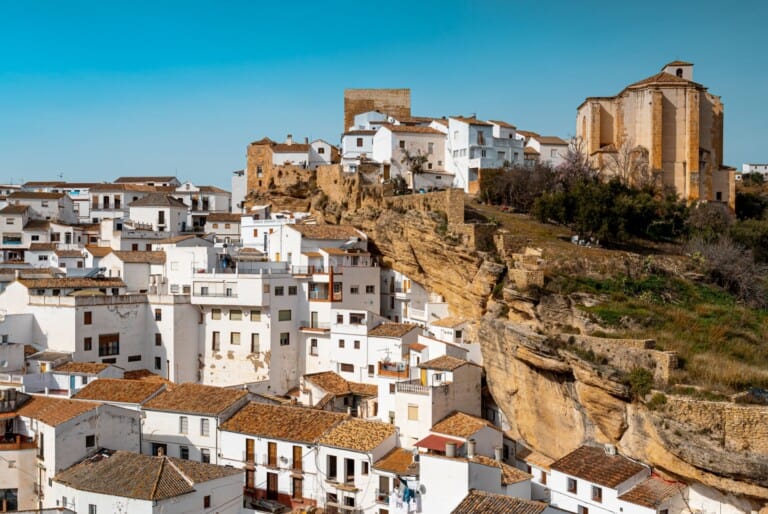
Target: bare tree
point(630, 164)
point(576, 166)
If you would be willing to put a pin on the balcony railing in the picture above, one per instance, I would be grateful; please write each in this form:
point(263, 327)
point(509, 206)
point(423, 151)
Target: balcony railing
point(394, 369)
point(17, 442)
point(412, 386)
point(316, 325)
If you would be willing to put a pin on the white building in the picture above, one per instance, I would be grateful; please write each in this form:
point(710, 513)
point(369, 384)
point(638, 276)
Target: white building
point(239, 190)
point(755, 168)
point(130, 482)
point(111, 201)
point(202, 201)
point(184, 422)
point(161, 212)
point(392, 143)
point(46, 206)
point(548, 150)
point(128, 394)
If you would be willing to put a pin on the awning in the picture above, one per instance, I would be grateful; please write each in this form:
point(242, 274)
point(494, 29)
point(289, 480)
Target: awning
point(437, 442)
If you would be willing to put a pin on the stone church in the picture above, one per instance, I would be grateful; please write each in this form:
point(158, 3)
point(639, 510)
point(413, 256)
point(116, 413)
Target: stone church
point(672, 118)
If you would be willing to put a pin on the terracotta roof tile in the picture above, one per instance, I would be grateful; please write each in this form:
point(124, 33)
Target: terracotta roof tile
point(139, 188)
point(595, 465)
point(18, 208)
point(470, 121)
point(533, 457)
point(196, 399)
point(398, 461)
point(69, 253)
point(283, 422)
point(448, 322)
point(37, 225)
point(139, 179)
point(119, 390)
point(54, 411)
point(358, 435)
point(228, 217)
point(481, 502)
point(138, 476)
point(139, 257)
point(552, 140)
point(663, 78)
point(652, 492)
point(529, 150)
point(42, 247)
point(148, 376)
point(460, 424)
point(89, 368)
point(35, 195)
point(509, 474)
point(292, 148)
point(335, 232)
point(71, 283)
point(677, 63)
point(417, 346)
point(98, 251)
point(329, 381)
point(412, 129)
point(503, 124)
point(392, 330)
point(444, 363)
point(158, 200)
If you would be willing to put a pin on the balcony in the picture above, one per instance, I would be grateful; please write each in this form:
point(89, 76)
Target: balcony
point(315, 326)
point(412, 386)
point(13, 442)
point(394, 369)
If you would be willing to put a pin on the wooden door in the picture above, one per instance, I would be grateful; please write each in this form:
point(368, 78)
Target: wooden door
point(297, 450)
point(249, 450)
point(271, 486)
point(272, 454)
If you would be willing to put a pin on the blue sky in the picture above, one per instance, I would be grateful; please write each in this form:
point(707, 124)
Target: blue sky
point(95, 90)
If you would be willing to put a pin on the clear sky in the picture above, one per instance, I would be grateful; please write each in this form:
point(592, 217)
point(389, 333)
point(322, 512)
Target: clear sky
point(93, 90)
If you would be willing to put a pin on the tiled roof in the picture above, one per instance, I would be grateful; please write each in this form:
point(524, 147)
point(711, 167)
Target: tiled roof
point(509, 474)
point(292, 148)
point(88, 368)
point(42, 247)
point(470, 121)
point(196, 399)
point(289, 423)
point(141, 188)
point(158, 200)
point(533, 457)
point(358, 435)
point(43, 183)
point(36, 195)
point(119, 390)
point(595, 465)
point(138, 180)
point(147, 376)
point(448, 322)
point(391, 330)
point(175, 239)
point(397, 461)
point(413, 129)
point(677, 63)
point(98, 251)
point(54, 411)
point(49, 356)
point(529, 150)
point(437, 442)
point(230, 217)
point(329, 381)
point(69, 253)
point(665, 79)
point(363, 389)
point(502, 124)
point(652, 492)
point(18, 208)
point(39, 225)
point(212, 189)
point(460, 424)
point(138, 476)
point(337, 232)
point(263, 141)
point(527, 133)
point(360, 133)
point(137, 257)
point(417, 346)
point(481, 502)
point(444, 363)
point(73, 283)
point(552, 140)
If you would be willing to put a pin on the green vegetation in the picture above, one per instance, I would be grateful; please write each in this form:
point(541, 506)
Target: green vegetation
point(657, 401)
point(720, 342)
point(640, 382)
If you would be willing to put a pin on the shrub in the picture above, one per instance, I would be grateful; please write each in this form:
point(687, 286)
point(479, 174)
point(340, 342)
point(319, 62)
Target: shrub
point(657, 401)
point(640, 382)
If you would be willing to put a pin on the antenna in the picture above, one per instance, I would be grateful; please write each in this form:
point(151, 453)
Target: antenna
point(61, 176)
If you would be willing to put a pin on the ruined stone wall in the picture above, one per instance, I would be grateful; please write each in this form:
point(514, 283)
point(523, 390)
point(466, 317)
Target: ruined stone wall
point(395, 102)
point(450, 201)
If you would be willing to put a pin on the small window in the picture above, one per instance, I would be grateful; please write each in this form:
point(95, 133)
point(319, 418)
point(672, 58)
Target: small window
point(215, 341)
point(284, 315)
point(235, 315)
point(87, 318)
point(359, 142)
point(205, 427)
point(357, 345)
point(347, 368)
point(354, 289)
point(285, 338)
point(597, 494)
point(256, 315)
point(313, 348)
point(183, 424)
point(370, 289)
point(90, 441)
point(158, 314)
point(356, 318)
point(205, 456)
point(234, 338)
point(158, 363)
point(341, 343)
point(392, 388)
point(583, 510)
point(402, 143)
point(184, 452)
point(364, 470)
point(292, 290)
point(279, 290)
point(134, 358)
point(158, 339)
point(87, 344)
point(571, 485)
point(340, 319)
point(91, 508)
point(215, 313)
point(413, 412)
point(255, 343)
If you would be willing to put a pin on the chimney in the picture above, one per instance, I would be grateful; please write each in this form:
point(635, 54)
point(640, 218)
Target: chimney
point(450, 450)
point(289, 139)
point(498, 453)
point(470, 448)
point(306, 140)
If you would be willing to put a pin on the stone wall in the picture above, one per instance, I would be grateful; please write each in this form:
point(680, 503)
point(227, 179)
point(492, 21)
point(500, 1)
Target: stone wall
point(394, 102)
point(450, 201)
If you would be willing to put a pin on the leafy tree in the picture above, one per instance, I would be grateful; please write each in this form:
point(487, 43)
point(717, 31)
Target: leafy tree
point(415, 164)
point(751, 205)
point(709, 221)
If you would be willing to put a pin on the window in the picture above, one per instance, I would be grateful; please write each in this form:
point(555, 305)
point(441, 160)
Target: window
point(256, 315)
point(583, 510)
point(215, 313)
point(347, 368)
point(719, 196)
point(392, 388)
point(158, 363)
point(183, 424)
point(356, 318)
point(480, 137)
point(357, 345)
point(284, 315)
point(205, 456)
point(413, 412)
point(255, 343)
point(313, 349)
point(87, 344)
point(332, 472)
point(109, 344)
point(134, 358)
point(339, 318)
point(215, 341)
point(90, 441)
point(544, 477)
point(597, 494)
point(227, 225)
point(321, 150)
point(87, 318)
point(364, 470)
point(158, 314)
point(370, 289)
point(91, 508)
point(184, 452)
point(285, 338)
point(371, 370)
point(279, 290)
point(158, 339)
point(553, 153)
point(402, 143)
point(341, 343)
point(292, 290)
point(207, 501)
point(205, 427)
point(430, 148)
point(571, 485)
point(235, 315)
point(359, 142)
point(354, 289)
point(234, 338)
point(500, 155)
point(458, 334)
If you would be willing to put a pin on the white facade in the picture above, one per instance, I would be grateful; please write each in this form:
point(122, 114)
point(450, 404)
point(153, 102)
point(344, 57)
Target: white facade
point(391, 142)
point(755, 168)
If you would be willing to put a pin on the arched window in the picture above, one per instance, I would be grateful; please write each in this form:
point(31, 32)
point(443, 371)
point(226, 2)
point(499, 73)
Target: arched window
point(680, 72)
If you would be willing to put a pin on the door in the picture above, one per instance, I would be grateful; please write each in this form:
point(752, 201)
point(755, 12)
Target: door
point(423, 376)
point(159, 449)
point(72, 383)
point(313, 319)
point(271, 486)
